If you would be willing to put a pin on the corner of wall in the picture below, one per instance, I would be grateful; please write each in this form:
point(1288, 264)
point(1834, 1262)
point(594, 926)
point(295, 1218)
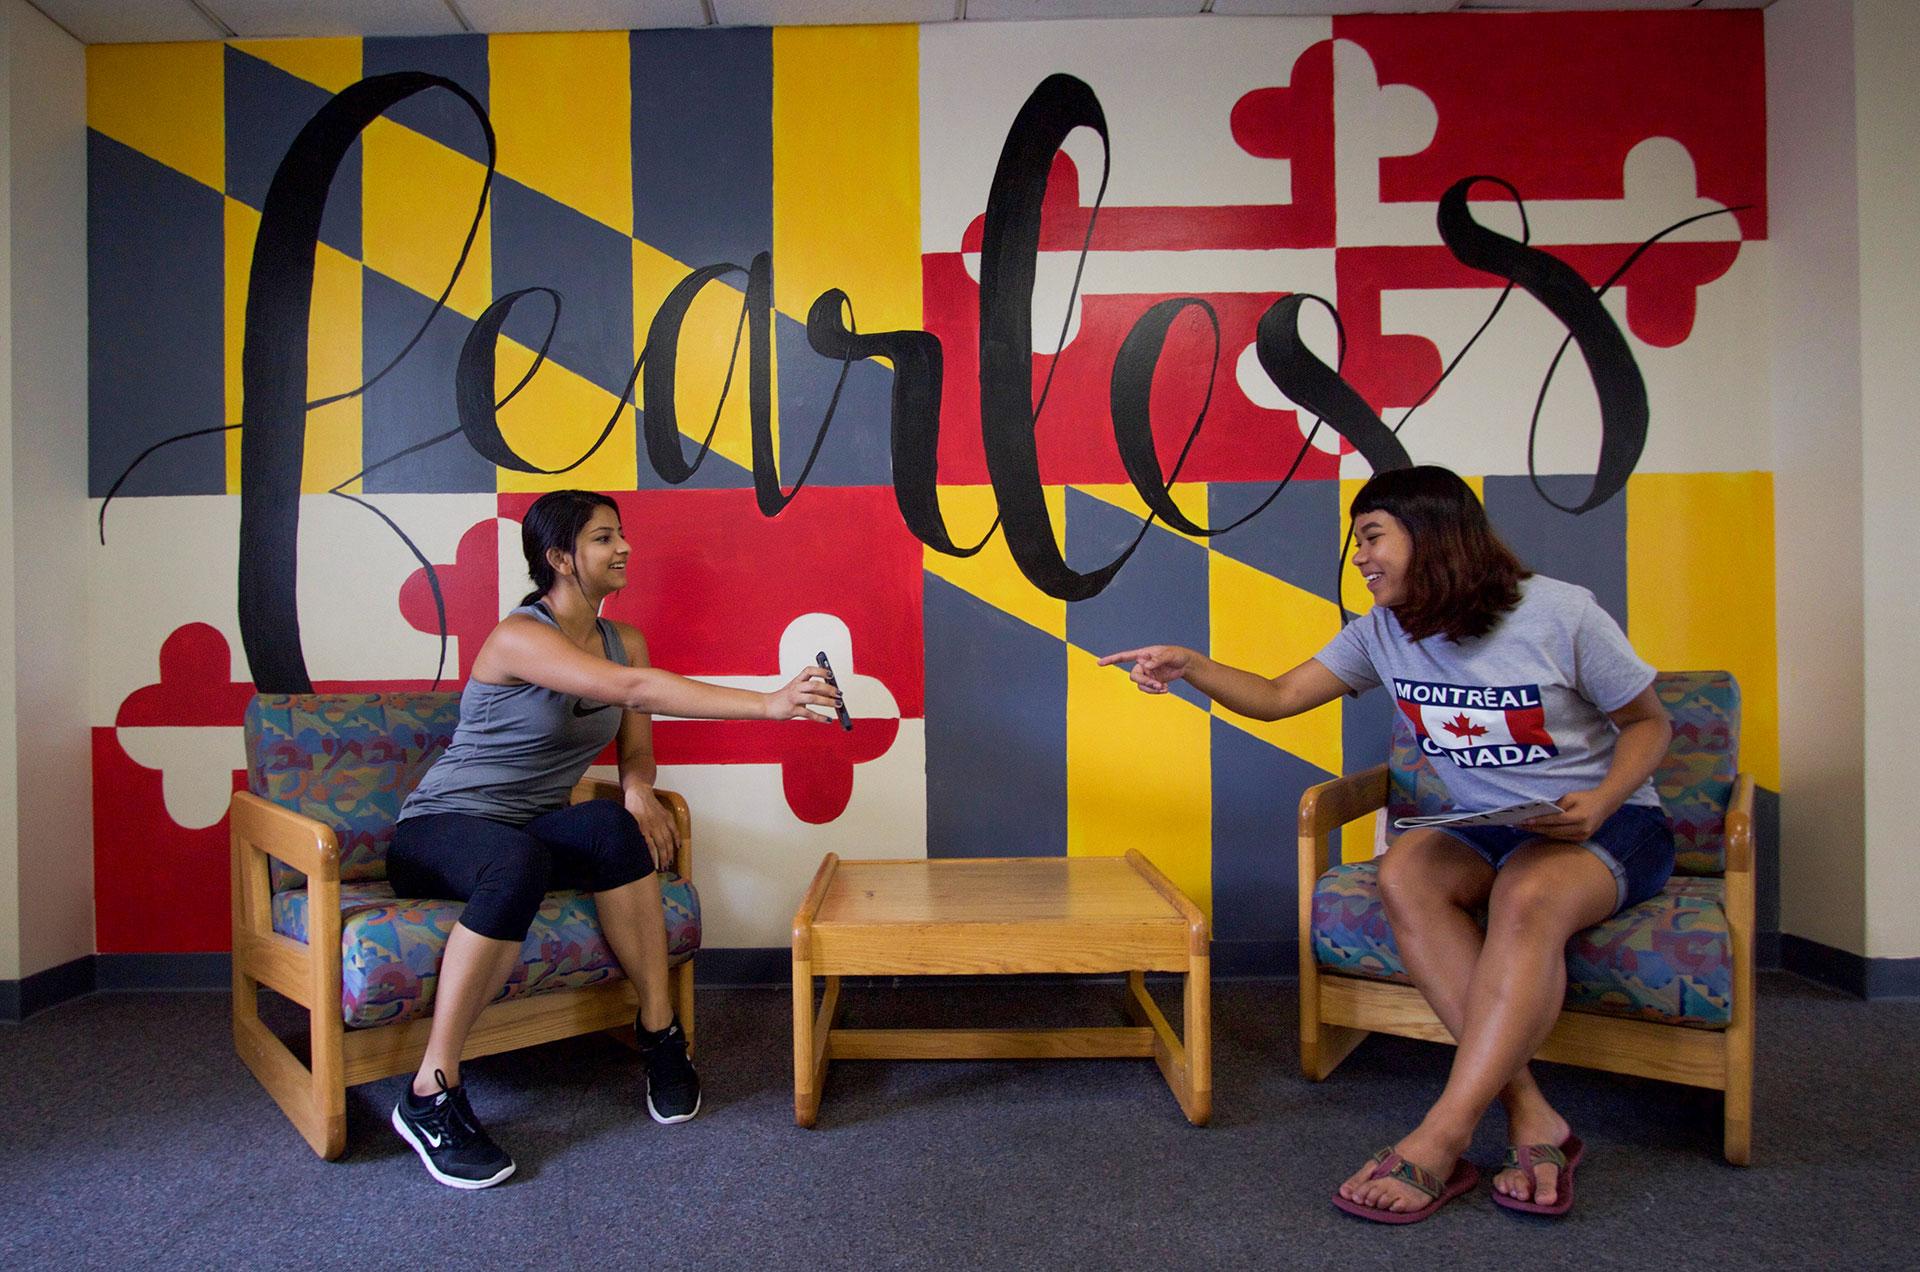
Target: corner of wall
point(1887, 128)
point(1815, 256)
point(45, 751)
point(9, 770)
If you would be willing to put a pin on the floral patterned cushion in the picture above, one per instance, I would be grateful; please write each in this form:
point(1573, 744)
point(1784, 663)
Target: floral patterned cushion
point(347, 759)
point(1694, 781)
point(391, 947)
point(1668, 959)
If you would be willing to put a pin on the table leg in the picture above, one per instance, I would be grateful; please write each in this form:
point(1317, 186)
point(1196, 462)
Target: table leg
point(1198, 1028)
point(811, 1035)
point(1186, 1064)
point(806, 1089)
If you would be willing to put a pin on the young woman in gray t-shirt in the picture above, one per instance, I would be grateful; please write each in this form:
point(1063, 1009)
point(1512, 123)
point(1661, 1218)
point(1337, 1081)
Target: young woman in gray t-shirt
point(1518, 688)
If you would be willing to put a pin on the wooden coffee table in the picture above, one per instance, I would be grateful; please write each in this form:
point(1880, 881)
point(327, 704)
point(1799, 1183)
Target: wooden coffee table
point(1000, 916)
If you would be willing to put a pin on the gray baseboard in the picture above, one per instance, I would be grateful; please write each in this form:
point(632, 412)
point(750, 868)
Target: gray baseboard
point(1256, 960)
point(22, 998)
point(744, 967)
point(163, 971)
point(1848, 972)
point(111, 973)
point(1893, 978)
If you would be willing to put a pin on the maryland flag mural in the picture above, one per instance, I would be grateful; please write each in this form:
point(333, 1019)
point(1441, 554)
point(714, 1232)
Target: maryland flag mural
point(964, 353)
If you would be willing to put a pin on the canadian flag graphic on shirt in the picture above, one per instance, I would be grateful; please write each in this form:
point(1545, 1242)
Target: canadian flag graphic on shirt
point(1477, 726)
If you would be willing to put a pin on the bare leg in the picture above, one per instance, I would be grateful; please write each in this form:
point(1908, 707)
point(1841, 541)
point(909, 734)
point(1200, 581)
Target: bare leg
point(1431, 884)
point(635, 927)
point(1544, 893)
point(471, 972)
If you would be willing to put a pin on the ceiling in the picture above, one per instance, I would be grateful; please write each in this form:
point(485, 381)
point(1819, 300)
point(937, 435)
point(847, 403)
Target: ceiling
point(146, 21)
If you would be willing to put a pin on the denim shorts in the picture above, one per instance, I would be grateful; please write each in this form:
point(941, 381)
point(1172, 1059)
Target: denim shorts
point(1636, 844)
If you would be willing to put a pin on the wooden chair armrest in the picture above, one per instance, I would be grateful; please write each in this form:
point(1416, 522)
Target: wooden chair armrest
point(258, 829)
point(600, 788)
point(595, 788)
point(1738, 844)
point(1739, 827)
point(683, 822)
point(1330, 805)
point(1324, 809)
point(265, 827)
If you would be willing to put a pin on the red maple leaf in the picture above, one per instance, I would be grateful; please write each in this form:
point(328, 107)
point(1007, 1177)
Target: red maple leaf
point(1461, 727)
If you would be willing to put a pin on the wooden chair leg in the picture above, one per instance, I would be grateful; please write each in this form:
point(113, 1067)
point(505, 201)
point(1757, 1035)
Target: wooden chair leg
point(1330, 1045)
point(682, 990)
point(1322, 1046)
point(328, 1048)
point(314, 1099)
point(1738, 1129)
point(1737, 1116)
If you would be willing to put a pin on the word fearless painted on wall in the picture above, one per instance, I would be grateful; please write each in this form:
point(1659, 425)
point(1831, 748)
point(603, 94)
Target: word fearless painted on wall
point(278, 317)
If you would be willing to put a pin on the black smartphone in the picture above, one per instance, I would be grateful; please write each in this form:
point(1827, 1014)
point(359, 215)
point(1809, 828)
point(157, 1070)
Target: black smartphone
point(846, 721)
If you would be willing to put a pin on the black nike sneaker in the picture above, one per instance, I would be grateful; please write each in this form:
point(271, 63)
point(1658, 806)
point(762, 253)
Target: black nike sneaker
point(673, 1088)
point(453, 1146)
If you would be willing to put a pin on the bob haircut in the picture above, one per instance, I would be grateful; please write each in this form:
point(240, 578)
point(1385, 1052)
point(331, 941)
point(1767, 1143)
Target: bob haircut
point(555, 521)
point(1462, 579)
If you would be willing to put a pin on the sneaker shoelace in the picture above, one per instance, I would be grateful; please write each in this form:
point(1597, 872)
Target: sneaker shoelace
point(469, 1131)
point(667, 1062)
point(452, 1117)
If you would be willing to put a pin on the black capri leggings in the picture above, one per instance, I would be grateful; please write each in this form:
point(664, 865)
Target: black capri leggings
point(503, 871)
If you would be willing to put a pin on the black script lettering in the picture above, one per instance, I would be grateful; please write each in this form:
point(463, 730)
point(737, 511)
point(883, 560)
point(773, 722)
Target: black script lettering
point(1009, 252)
point(661, 418)
point(660, 422)
point(473, 386)
point(1617, 382)
point(919, 375)
point(1320, 388)
point(273, 366)
point(1131, 394)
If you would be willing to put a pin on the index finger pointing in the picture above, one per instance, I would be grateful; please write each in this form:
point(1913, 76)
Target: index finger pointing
point(1130, 655)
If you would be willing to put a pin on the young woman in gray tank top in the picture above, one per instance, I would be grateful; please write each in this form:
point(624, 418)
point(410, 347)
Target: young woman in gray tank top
point(490, 824)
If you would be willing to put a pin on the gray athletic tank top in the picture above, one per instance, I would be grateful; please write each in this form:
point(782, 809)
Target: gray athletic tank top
point(518, 749)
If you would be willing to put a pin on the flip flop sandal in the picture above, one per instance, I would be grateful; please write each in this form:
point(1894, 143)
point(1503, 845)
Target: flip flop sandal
point(1388, 1164)
point(1525, 1158)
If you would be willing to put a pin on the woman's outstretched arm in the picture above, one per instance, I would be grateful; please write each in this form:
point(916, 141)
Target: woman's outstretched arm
point(525, 650)
point(1303, 688)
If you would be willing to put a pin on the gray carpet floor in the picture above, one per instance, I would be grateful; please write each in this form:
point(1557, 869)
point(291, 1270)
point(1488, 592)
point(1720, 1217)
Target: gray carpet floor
point(130, 1136)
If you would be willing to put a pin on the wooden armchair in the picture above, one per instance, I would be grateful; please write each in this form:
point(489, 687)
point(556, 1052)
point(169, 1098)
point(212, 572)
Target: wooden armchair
point(314, 919)
point(1663, 990)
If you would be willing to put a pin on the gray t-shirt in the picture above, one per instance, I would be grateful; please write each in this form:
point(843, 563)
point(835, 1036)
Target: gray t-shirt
point(1521, 712)
point(518, 749)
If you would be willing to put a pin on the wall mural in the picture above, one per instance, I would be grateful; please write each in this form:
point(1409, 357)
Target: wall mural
point(963, 353)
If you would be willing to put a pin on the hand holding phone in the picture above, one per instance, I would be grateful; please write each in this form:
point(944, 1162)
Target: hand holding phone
point(840, 703)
